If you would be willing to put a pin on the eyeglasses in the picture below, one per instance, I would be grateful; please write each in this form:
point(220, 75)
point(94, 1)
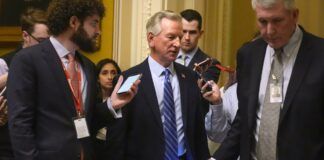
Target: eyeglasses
point(37, 39)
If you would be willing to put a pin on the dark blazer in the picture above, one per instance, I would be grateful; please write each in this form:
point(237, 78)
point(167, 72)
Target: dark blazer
point(301, 123)
point(141, 130)
point(41, 106)
point(212, 72)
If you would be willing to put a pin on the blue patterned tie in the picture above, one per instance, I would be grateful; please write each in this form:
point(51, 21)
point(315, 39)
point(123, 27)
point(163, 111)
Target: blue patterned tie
point(170, 127)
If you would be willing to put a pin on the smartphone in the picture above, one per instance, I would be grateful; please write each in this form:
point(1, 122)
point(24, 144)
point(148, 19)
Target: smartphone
point(128, 83)
point(208, 88)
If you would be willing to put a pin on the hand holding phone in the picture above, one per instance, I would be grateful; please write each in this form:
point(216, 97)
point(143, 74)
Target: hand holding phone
point(207, 89)
point(126, 86)
point(117, 99)
point(200, 69)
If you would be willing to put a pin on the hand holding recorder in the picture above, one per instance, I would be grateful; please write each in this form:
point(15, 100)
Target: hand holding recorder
point(209, 89)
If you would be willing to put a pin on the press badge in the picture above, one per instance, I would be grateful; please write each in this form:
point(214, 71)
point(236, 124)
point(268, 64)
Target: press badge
point(275, 93)
point(81, 127)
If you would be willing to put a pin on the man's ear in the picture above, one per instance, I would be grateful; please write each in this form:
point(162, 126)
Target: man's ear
point(74, 23)
point(201, 33)
point(295, 15)
point(150, 39)
point(25, 36)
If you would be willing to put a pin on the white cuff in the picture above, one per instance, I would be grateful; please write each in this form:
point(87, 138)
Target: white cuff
point(117, 114)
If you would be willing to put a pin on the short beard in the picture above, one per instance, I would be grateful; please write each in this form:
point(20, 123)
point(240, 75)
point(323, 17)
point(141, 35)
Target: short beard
point(84, 42)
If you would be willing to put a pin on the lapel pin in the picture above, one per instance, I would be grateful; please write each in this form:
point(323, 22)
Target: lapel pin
point(183, 76)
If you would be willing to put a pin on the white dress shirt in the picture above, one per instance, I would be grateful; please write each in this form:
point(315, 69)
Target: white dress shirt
point(288, 59)
point(3, 67)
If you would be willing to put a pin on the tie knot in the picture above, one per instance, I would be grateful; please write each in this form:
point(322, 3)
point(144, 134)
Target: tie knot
point(278, 54)
point(70, 57)
point(167, 73)
point(278, 51)
point(184, 57)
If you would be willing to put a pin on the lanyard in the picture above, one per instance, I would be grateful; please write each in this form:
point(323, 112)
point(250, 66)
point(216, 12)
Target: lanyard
point(76, 98)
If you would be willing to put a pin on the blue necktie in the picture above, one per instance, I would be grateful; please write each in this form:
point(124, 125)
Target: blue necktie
point(170, 127)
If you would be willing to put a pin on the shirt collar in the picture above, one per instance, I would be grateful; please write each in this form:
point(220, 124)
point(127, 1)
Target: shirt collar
point(295, 39)
point(157, 68)
point(59, 48)
point(189, 54)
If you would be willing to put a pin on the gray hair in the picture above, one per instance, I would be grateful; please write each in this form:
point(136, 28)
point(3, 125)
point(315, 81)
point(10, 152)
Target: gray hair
point(289, 4)
point(153, 24)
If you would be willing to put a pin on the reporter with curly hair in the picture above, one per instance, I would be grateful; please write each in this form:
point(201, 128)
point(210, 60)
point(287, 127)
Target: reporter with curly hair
point(52, 88)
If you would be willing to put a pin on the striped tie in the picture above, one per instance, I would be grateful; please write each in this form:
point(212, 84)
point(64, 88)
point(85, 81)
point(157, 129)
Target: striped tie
point(170, 127)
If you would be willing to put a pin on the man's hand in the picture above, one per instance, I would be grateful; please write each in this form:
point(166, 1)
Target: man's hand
point(120, 100)
point(213, 96)
point(3, 111)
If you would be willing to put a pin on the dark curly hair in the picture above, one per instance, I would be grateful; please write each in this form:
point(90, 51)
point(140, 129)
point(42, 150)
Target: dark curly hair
point(60, 12)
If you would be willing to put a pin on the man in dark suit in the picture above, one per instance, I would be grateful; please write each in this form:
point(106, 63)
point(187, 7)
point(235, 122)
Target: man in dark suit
point(52, 87)
point(143, 132)
point(190, 53)
point(34, 30)
point(33, 25)
point(296, 130)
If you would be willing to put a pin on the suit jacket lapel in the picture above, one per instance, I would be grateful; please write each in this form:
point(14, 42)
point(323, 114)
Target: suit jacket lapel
point(184, 93)
point(302, 63)
point(198, 57)
point(88, 78)
point(255, 78)
point(55, 65)
point(149, 92)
